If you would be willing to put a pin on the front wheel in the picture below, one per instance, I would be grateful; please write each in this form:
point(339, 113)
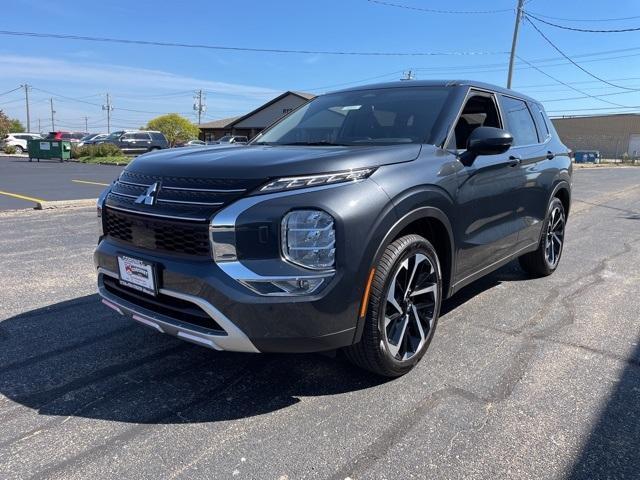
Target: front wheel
point(546, 258)
point(403, 308)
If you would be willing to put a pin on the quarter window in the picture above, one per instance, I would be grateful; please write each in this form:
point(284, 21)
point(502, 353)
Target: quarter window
point(519, 121)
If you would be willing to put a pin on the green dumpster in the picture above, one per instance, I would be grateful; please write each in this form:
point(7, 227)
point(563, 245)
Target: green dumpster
point(49, 149)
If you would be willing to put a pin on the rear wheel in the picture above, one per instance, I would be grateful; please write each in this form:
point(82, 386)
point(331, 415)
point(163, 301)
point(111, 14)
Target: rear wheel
point(19, 149)
point(403, 308)
point(546, 258)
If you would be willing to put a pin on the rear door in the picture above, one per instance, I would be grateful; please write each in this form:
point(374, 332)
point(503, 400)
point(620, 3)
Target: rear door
point(141, 142)
point(487, 196)
point(531, 146)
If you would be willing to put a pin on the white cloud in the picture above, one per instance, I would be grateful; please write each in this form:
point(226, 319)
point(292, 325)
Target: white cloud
point(131, 88)
point(109, 76)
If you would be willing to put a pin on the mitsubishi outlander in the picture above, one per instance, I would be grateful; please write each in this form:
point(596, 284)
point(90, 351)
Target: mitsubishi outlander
point(342, 226)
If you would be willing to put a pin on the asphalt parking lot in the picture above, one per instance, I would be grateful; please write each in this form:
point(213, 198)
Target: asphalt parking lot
point(23, 183)
point(525, 379)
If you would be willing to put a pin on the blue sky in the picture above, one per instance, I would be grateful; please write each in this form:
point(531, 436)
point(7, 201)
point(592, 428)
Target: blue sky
point(151, 79)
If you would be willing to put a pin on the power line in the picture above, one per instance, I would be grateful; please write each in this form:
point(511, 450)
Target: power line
point(572, 61)
point(586, 30)
point(567, 85)
point(433, 10)
point(241, 49)
point(598, 108)
point(584, 19)
point(10, 91)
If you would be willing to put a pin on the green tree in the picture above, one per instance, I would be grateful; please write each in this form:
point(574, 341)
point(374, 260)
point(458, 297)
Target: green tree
point(5, 124)
point(176, 128)
point(15, 126)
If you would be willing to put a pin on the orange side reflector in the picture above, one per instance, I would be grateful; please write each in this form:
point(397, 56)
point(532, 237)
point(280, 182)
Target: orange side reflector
point(365, 297)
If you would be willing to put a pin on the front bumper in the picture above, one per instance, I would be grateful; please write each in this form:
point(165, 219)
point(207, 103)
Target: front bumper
point(242, 320)
point(324, 319)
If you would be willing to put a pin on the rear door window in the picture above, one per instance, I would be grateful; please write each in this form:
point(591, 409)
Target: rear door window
point(141, 136)
point(519, 121)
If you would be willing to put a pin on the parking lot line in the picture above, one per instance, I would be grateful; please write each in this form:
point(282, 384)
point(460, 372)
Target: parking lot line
point(22, 197)
point(91, 183)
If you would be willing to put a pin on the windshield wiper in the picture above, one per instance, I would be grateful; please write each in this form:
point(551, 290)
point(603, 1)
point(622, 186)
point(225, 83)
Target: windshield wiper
point(317, 144)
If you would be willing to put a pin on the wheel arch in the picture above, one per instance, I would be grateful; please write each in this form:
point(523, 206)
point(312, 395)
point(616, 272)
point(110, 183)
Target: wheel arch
point(433, 224)
point(562, 190)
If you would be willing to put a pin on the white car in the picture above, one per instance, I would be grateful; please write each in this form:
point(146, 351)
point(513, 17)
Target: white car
point(19, 140)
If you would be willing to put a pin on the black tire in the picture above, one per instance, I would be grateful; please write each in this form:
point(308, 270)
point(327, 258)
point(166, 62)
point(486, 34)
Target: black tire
point(374, 350)
point(538, 263)
point(19, 149)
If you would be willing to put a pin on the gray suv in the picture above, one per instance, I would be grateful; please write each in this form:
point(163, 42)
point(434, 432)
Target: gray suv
point(343, 226)
point(137, 141)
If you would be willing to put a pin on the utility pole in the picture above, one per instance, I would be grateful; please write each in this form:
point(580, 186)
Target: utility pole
point(53, 125)
point(408, 75)
point(26, 99)
point(39, 127)
point(199, 104)
point(86, 124)
point(108, 107)
point(514, 43)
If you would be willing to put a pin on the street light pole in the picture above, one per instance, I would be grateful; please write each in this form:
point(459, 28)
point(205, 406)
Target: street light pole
point(514, 43)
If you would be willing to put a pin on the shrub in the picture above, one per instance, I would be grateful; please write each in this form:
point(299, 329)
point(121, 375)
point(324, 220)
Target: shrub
point(97, 150)
point(10, 149)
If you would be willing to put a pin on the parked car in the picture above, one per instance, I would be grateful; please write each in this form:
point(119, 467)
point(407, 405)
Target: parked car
point(191, 143)
point(137, 141)
point(92, 138)
point(230, 139)
point(19, 140)
point(343, 225)
point(68, 136)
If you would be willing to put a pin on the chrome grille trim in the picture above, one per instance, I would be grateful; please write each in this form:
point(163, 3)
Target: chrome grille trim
point(149, 214)
point(183, 189)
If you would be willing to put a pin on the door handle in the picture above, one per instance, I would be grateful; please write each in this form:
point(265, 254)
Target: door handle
point(514, 160)
point(550, 155)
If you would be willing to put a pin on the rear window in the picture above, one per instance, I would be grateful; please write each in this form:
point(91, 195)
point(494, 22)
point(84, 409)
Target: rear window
point(519, 121)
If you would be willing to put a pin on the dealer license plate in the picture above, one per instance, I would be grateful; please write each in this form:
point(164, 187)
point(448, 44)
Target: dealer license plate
point(137, 274)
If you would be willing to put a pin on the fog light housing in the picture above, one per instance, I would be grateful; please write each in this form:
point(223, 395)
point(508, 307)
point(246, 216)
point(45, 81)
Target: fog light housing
point(308, 239)
point(285, 286)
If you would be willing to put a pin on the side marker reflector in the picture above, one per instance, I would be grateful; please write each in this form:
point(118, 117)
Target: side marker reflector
point(367, 291)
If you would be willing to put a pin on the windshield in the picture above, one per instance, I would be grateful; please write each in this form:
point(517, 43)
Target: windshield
point(115, 135)
point(366, 117)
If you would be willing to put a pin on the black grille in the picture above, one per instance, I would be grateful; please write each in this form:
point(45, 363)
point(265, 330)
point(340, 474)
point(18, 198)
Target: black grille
point(164, 304)
point(189, 238)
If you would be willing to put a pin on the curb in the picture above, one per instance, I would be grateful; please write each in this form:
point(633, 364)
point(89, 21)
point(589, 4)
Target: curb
point(58, 204)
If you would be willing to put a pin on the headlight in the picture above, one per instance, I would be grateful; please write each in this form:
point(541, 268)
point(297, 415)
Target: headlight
point(288, 183)
point(309, 238)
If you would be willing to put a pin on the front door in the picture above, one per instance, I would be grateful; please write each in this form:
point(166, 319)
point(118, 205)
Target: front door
point(488, 194)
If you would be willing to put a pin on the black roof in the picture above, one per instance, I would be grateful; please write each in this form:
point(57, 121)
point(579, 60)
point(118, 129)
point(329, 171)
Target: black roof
point(438, 83)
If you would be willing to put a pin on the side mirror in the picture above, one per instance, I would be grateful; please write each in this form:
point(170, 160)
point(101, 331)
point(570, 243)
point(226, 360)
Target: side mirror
point(486, 141)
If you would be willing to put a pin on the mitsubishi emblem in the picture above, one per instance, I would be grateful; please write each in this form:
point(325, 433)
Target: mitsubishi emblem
point(150, 196)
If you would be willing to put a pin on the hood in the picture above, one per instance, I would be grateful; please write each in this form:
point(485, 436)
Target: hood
point(258, 161)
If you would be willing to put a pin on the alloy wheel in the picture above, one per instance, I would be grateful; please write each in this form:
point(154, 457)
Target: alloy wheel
point(554, 236)
point(409, 312)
